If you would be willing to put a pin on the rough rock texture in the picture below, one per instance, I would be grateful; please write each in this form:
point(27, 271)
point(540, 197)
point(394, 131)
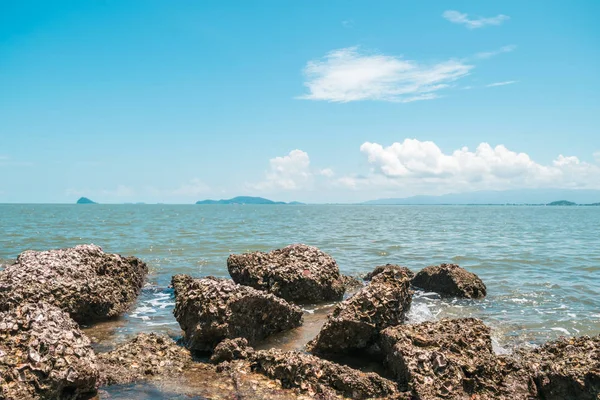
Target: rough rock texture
point(231, 349)
point(44, 355)
point(568, 368)
point(83, 281)
point(313, 374)
point(210, 310)
point(296, 273)
point(351, 283)
point(453, 359)
point(143, 357)
point(382, 268)
point(450, 280)
point(356, 322)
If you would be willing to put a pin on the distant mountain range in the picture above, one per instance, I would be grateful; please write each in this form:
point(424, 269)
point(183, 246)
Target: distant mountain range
point(245, 200)
point(525, 196)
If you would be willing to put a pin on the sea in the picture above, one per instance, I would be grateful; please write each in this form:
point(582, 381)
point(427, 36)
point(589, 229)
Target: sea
point(541, 264)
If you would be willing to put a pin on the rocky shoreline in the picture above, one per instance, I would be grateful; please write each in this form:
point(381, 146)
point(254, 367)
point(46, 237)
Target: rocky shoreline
point(44, 296)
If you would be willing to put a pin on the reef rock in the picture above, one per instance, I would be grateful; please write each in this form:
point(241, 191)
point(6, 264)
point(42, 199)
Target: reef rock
point(566, 369)
point(453, 358)
point(321, 377)
point(44, 355)
point(231, 349)
point(356, 322)
point(143, 357)
point(84, 281)
point(296, 273)
point(450, 280)
point(393, 267)
point(211, 309)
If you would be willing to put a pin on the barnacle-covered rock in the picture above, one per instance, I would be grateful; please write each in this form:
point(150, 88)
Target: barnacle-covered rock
point(44, 355)
point(450, 280)
point(381, 268)
point(566, 369)
point(211, 309)
point(231, 349)
point(143, 357)
point(296, 273)
point(356, 322)
point(84, 281)
point(453, 358)
point(322, 377)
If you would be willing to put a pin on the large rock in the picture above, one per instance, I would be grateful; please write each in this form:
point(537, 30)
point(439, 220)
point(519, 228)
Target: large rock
point(566, 369)
point(381, 268)
point(84, 281)
point(294, 369)
point(210, 310)
point(143, 357)
point(450, 280)
point(452, 359)
point(44, 355)
point(311, 373)
point(296, 273)
point(356, 322)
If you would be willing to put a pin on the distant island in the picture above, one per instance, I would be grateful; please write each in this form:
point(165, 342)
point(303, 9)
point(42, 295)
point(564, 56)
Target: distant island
point(85, 200)
point(245, 200)
point(538, 197)
point(562, 203)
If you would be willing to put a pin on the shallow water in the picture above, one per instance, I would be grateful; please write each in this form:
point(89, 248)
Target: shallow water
point(541, 264)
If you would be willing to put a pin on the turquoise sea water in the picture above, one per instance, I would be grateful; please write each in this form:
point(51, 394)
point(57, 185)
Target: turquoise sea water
point(541, 264)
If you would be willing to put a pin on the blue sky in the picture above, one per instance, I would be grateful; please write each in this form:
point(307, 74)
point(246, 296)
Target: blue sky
point(333, 101)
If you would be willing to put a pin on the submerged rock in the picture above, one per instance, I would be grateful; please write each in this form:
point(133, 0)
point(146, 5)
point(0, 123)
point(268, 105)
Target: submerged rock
point(296, 273)
point(452, 358)
point(450, 280)
point(393, 267)
point(356, 322)
point(44, 355)
point(143, 357)
point(211, 309)
point(566, 369)
point(84, 281)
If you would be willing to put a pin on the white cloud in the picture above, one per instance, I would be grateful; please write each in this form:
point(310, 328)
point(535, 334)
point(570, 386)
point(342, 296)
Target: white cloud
point(473, 23)
point(348, 75)
point(422, 167)
point(290, 172)
point(489, 54)
point(501, 83)
point(597, 156)
point(328, 172)
point(348, 23)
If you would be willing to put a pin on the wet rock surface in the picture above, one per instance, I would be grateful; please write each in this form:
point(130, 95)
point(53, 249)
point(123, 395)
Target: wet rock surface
point(356, 322)
point(566, 369)
point(296, 273)
point(231, 349)
point(44, 355)
point(450, 280)
point(210, 310)
point(452, 358)
point(143, 357)
point(393, 267)
point(83, 280)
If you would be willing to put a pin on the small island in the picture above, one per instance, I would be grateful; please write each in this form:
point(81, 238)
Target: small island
point(85, 200)
point(562, 203)
point(244, 200)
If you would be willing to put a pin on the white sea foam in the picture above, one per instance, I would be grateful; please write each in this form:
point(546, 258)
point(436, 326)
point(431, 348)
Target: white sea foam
point(419, 313)
point(563, 330)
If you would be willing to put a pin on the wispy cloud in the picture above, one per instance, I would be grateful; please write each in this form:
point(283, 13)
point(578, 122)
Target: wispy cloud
point(490, 54)
point(348, 23)
point(349, 75)
point(473, 22)
point(501, 83)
